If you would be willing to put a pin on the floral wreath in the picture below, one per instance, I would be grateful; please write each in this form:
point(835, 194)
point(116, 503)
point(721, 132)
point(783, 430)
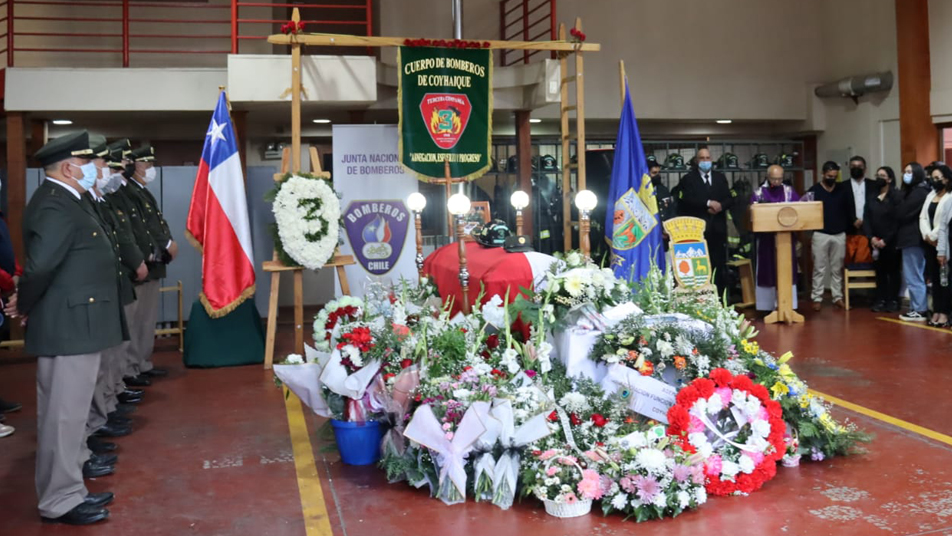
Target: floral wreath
point(307, 220)
point(735, 425)
point(345, 307)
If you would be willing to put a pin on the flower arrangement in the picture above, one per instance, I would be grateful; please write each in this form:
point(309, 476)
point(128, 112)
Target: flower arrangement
point(813, 431)
point(572, 286)
point(564, 483)
point(665, 350)
point(735, 426)
point(473, 409)
point(307, 220)
point(342, 310)
point(653, 478)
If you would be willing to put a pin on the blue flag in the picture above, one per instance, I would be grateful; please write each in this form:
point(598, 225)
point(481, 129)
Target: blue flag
point(632, 224)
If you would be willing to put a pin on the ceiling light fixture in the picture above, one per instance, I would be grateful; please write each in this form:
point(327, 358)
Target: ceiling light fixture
point(322, 121)
point(535, 120)
point(724, 121)
point(62, 122)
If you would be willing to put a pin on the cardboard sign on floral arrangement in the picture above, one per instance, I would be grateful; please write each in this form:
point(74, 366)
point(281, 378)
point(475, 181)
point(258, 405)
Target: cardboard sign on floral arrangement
point(689, 255)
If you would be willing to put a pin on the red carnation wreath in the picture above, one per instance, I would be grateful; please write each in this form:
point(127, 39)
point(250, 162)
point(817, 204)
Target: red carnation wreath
point(734, 424)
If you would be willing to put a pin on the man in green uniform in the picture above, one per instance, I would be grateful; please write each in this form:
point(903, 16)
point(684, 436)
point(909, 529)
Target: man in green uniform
point(126, 200)
point(103, 421)
point(164, 251)
point(69, 298)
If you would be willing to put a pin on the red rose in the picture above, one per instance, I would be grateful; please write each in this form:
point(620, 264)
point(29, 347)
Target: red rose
point(487, 44)
point(554, 416)
point(599, 420)
point(492, 342)
point(388, 375)
point(760, 392)
point(406, 363)
point(574, 419)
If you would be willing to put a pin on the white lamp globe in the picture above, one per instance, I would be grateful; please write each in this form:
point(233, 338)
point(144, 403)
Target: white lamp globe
point(416, 202)
point(458, 204)
point(519, 200)
point(586, 200)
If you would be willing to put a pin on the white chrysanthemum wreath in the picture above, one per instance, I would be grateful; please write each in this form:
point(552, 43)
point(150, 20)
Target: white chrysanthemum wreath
point(307, 216)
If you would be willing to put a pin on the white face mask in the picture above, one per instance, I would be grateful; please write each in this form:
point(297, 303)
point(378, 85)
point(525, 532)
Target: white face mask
point(112, 183)
point(149, 175)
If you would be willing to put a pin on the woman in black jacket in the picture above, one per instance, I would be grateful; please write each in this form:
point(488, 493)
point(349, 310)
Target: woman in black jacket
point(909, 240)
point(880, 227)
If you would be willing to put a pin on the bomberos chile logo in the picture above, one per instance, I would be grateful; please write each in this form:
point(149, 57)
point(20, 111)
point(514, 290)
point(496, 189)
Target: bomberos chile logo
point(445, 116)
point(377, 231)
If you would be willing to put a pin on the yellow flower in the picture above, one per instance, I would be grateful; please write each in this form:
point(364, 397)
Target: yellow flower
point(750, 347)
point(786, 372)
point(828, 422)
point(784, 358)
point(779, 389)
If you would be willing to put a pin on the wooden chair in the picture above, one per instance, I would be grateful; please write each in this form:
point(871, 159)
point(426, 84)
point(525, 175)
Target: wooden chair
point(746, 271)
point(857, 276)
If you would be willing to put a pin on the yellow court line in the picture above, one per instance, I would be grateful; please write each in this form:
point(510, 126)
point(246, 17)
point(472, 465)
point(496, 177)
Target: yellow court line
point(316, 520)
point(915, 428)
point(919, 325)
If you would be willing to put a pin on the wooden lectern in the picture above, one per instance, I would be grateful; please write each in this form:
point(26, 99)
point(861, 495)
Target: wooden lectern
point(784, 219)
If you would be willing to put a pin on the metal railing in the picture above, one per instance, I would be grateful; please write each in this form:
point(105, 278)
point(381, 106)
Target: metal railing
point(526, 20)
point(126, 29)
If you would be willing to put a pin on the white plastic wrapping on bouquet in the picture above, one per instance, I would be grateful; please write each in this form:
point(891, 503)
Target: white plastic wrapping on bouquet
point(336, 377)
point(450, 454)
point(305, 380)
point(485, 463)
point(573, 345)
point(513, 440)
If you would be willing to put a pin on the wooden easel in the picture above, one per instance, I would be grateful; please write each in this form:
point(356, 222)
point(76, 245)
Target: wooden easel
point(276, 267)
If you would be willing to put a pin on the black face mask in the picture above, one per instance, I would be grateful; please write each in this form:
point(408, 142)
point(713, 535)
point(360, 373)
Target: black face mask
point(656, 180)
point(129, 171)
point(938, 186)
point(879, 183)
point(828, 181)
point(857, 173)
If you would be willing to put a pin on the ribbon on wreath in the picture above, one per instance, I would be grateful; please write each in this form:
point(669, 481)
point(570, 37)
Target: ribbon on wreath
point(726, 437)
point(449, 450)
point(485, 464)
point(513, 441)
point(304, 380)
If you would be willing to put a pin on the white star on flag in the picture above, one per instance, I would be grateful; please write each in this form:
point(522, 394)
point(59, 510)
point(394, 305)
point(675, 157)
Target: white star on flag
point(216, 131)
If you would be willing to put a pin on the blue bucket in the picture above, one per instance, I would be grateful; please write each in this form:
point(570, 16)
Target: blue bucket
point(358, 442)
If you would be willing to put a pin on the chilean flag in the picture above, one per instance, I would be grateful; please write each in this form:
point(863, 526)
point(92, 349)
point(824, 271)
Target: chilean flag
point(218, 219)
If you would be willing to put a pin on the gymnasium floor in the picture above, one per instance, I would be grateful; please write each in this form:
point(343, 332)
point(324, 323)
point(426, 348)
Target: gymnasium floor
point(220, 452)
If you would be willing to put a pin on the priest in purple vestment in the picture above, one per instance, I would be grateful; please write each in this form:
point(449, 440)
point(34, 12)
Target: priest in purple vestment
point(773, 190)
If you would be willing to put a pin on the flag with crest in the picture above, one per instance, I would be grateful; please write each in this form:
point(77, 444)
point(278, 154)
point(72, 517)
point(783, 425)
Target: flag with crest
point(632, 224)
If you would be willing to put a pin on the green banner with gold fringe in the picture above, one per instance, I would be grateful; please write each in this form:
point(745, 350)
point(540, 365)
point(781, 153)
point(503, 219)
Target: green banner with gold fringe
point(446, 109)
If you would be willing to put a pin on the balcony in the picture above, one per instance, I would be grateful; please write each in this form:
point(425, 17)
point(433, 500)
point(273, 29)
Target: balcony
point(162, 33)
